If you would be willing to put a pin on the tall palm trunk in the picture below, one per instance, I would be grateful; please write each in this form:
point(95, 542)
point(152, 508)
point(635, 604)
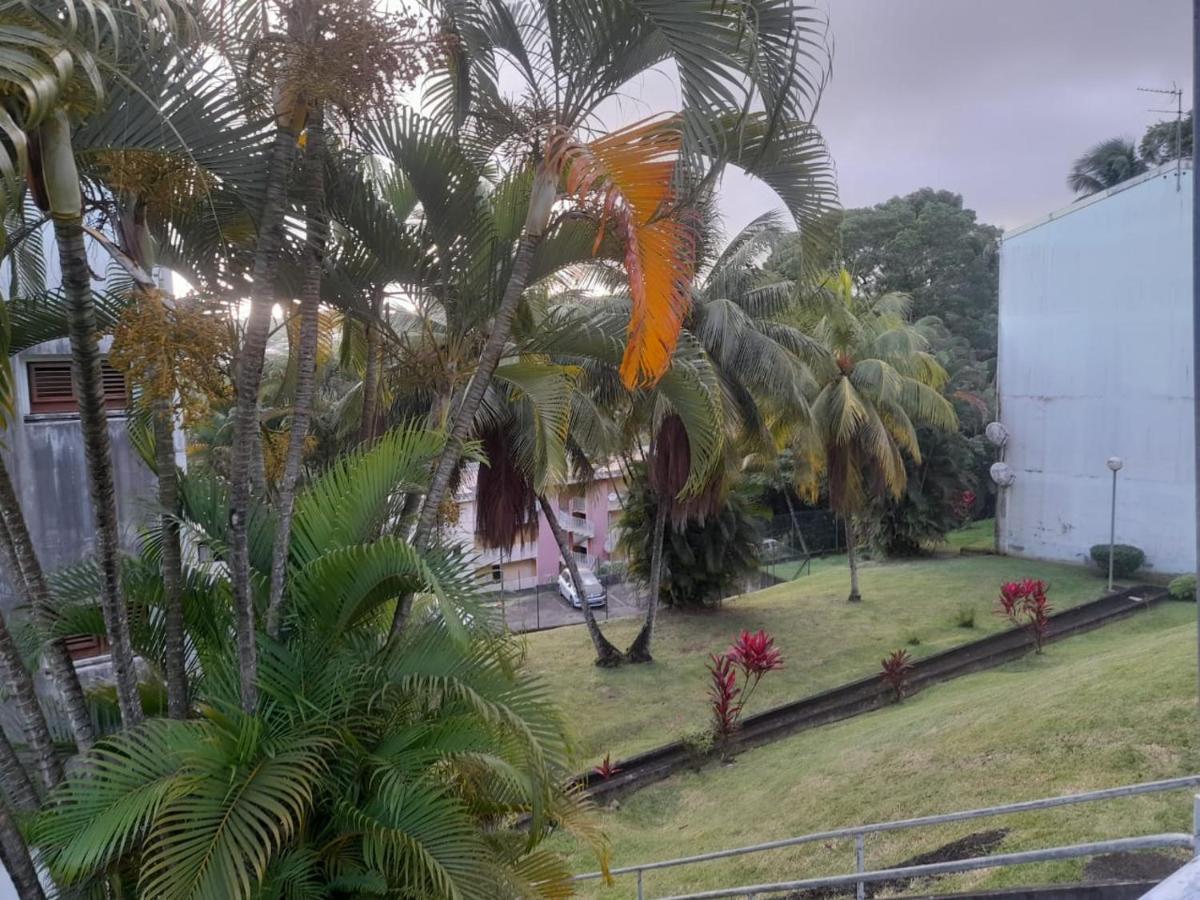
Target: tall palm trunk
point(30, 583)
point(852, 558)
point(639, 650)
point(33, 719)
point(366, 427)
point(245, 423)
point(306, 359)
point(66, 206)
point(174, 656)
point(15, 779)
point(17, 860)
point(541, 200)
point(607, 655)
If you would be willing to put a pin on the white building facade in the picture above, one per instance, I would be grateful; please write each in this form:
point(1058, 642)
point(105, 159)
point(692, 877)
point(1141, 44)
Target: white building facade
point(1095, 360)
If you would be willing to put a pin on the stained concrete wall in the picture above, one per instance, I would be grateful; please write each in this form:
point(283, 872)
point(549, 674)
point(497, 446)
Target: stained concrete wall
point(45, 458)
point(44, 454)
point(1095, 361)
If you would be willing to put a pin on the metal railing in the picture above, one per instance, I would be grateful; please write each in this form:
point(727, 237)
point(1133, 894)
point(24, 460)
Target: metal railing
point(861, 876)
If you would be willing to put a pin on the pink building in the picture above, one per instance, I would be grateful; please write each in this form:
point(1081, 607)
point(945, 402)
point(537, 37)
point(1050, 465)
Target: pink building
point(588, 512)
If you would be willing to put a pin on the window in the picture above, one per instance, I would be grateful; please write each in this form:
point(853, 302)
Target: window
point(86, 646)
point(51, 390)
point(497, 573)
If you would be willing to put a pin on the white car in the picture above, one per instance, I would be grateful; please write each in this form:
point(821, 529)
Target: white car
point(596, 594)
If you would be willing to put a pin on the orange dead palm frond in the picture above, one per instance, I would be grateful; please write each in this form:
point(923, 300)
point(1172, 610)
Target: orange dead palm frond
point(632, 171)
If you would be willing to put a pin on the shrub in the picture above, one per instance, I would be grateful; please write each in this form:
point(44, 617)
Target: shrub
point(1025, 604)
point(964, 617)
point(1182, 588)
point(699, 745)
point(895, 670)
point(607, 769)
point(1127, 559)
point(937, 497)
point(702, 561)
point(753, 655)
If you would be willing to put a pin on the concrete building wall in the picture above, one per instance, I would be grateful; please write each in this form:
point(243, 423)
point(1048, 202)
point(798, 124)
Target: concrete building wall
point(44, 454)
point(1095, 361)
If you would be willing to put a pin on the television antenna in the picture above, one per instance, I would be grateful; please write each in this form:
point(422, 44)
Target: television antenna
point(1177, 92)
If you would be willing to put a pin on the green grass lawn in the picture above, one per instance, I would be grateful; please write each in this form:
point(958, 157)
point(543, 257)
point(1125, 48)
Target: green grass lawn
point(980, 535)
point(825, 641)
point(1111, 707)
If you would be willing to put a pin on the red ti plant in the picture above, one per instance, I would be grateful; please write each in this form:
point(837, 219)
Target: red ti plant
point(753, 655)
point(1025, 604)
point(894, 670)
point(963, 505)
point(606, 769)
point(723, 694)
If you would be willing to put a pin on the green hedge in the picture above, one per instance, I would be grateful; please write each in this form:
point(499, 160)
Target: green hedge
point(1127, 559)
point(1182, 588)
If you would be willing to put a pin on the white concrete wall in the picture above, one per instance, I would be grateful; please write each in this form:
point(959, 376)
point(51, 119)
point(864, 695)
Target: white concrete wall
point(1095, 361)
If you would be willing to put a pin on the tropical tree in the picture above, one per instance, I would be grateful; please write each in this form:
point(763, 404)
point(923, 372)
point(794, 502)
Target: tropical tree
point(702, 561)
point(876, 384)
point(52, 81)
point(570, 58)
point(423, 767)
point(1105, 165)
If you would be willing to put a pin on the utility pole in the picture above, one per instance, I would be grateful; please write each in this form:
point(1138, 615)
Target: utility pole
point(1196, 301)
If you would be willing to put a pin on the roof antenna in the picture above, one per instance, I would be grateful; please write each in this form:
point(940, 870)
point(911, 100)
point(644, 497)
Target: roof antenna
point(1177, 92)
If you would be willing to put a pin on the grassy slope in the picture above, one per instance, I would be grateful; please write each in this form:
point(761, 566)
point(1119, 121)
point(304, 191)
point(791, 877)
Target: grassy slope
point(1112, 707)
point(825, 641)
point(980, 535)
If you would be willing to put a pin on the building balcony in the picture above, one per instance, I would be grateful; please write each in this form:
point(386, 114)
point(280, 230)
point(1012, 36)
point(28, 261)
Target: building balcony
point(496, 556)
point(575, 524)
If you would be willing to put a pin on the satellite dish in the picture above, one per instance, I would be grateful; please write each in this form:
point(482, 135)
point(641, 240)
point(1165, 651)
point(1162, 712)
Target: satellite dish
point(1002, 474)
point(996, 433)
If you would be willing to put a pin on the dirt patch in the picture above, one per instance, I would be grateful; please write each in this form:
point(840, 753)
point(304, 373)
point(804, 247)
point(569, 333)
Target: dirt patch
point(979, 843)
point(1145, 866)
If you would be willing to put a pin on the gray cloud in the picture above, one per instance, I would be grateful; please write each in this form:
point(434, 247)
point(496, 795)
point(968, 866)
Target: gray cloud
point(989, 98)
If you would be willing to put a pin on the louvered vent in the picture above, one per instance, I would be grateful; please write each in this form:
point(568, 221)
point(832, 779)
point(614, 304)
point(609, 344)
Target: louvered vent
point(51, 391)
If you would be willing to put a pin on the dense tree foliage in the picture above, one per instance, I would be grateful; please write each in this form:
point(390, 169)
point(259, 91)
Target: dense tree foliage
point(704, 559)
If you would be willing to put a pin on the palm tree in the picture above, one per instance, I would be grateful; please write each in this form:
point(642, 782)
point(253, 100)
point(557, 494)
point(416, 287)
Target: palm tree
point(570, 58)
point(384, 766)
point(876, 383)
point(1104, 166)
point(45, 53)
point(316, 230)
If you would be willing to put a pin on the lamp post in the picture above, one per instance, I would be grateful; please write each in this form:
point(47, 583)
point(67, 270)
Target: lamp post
point(1114, 463)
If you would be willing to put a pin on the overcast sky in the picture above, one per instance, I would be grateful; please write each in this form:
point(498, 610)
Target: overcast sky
point(989, 98)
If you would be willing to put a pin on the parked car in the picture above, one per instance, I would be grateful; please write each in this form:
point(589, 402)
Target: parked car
point(595, 591)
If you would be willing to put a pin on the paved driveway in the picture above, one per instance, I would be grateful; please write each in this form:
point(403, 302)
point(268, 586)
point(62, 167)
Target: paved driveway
point(544, 608)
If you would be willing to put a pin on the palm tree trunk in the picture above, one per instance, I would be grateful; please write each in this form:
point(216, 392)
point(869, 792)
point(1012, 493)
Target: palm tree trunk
point(33, 719)
point(306, 359)
point(174, 657)
point(366, 428)
point(852, 557)
point(17, 860)
point(607, 655)
point(639, 650)
point(541, 200)
point(30, 583)
point(62, 187)
point(246, 425)
point(15, 779)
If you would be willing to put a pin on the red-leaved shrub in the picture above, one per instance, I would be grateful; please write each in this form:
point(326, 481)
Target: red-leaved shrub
point(894, 670)
point(606, 769)
point(1025, 604)
point(753, 655)
point(723, 694)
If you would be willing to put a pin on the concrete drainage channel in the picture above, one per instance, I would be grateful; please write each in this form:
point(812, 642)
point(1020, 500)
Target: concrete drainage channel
point(864, 695)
